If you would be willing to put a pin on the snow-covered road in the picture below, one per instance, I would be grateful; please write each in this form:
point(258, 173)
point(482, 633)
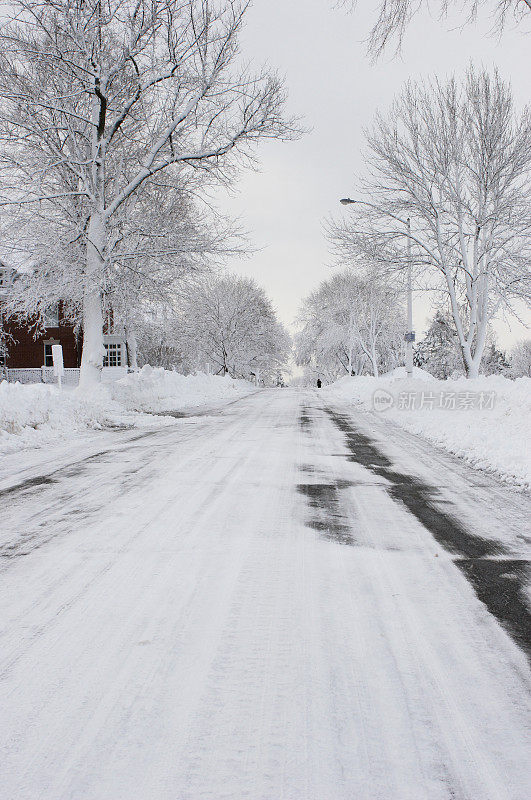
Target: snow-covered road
point(282, 599)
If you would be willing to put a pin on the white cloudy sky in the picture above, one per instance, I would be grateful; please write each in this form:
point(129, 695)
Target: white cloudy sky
point(336, 90)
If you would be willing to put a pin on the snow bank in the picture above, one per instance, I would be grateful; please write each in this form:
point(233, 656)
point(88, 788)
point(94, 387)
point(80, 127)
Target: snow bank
point(486, 421)
point(399, 373)
point(35, 415)
point(157, 389)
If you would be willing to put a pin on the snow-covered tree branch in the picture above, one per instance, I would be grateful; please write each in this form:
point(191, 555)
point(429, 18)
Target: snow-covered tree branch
point(394, 16)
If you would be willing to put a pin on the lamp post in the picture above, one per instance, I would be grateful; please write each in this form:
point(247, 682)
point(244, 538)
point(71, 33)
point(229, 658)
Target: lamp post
point(409, 336)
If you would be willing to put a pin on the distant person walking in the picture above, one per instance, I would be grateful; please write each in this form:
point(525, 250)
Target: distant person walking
point(319, 384)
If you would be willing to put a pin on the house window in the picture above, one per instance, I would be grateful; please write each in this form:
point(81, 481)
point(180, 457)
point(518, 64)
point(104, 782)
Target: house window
point(48, 357)
point(51, 316)
point(113, 355)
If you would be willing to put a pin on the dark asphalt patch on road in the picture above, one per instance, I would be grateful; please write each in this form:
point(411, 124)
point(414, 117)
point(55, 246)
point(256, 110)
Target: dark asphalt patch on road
point(40, 481)
point(323, 499)
point(305, 420)
point(175, 414)
point(500, 583)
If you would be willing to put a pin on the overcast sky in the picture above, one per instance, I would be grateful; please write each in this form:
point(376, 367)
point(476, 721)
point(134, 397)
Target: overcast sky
point(335, 88)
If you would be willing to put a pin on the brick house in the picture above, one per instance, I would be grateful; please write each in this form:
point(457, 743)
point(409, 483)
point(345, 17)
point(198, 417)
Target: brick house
point(25, 349)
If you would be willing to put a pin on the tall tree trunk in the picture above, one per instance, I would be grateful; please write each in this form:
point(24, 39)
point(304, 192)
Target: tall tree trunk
point(481, 331)
point(93, 349)
point(374, 361)
point(472, 371)
point(471, 360)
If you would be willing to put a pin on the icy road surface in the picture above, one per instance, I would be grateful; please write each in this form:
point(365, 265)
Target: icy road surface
point(279, 600)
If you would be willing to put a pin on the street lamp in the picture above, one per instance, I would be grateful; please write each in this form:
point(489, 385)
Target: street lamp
point(410, 333)
point(409, 336)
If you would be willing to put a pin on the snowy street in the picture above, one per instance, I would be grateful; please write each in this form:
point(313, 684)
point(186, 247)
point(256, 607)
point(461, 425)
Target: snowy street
point(281, 598)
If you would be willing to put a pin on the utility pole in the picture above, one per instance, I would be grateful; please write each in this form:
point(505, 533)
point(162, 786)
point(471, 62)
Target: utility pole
point(410, 334)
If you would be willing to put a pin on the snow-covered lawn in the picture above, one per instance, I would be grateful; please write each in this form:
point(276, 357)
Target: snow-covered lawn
point(36, 415)
point(486, 421)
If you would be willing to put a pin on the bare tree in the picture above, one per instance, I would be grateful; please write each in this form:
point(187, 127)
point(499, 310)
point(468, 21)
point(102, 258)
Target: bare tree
point(394, 16)
point(347, 323)
point(160, 343)
point(520, 358)
point(98, 97)
point(450, 171)
point(229, 323)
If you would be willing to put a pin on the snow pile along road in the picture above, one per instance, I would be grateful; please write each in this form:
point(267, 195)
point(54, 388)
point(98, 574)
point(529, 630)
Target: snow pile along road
point(36, 415)
point(486, 421)
point(157, 389)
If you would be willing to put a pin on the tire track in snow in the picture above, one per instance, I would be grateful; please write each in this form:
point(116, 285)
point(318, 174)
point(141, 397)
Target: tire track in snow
point(465, 766)
point(232, 650)
point(499, 581)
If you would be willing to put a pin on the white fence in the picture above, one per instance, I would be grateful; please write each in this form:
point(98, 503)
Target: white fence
point(39, 375)
point(45, 375)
